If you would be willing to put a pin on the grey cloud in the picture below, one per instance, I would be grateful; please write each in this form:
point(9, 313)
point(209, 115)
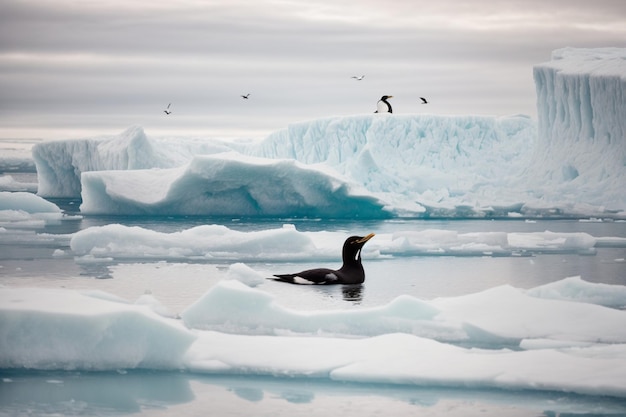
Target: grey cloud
point(121, 59)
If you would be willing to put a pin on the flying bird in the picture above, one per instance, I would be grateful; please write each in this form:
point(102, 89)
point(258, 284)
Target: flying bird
point(358, 77)
point(424, 101)
point(383, 105)
point(167, 110)
point(246, 96)
point(351, 272)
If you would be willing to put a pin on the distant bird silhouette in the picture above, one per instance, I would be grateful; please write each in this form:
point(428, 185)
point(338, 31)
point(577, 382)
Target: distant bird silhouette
point(383, 105)
point(167, 110)
point(358, 77)
point(424, 101)
point(351, 272)
point(245, 97)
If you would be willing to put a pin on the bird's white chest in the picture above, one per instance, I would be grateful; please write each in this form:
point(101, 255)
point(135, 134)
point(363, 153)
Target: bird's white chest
point(382, 107)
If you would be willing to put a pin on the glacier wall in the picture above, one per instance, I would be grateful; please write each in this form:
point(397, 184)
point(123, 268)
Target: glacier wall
point(581, 103)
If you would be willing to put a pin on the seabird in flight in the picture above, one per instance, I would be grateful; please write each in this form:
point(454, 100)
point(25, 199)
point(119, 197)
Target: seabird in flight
point(383, 105)
point(351, 272)
point(246, 96)
point(167, 110)
point(424, 101)
point(358, 77)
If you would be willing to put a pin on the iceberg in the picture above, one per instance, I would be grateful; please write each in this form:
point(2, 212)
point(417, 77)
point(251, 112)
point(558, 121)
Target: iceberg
point(60, 163)
point(571, 162)
point(228, 184)
point(581, 104)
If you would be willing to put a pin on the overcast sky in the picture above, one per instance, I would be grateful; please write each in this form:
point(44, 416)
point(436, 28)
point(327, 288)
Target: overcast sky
point(87, 67)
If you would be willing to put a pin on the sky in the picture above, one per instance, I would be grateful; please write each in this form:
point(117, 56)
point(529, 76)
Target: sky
point(87, 68)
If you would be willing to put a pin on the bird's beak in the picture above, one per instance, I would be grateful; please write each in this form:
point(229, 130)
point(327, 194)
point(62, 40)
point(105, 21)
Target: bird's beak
point(366, 238)
point(389, 96)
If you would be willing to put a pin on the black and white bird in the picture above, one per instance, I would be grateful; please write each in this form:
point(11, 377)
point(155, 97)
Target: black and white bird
point(358, 77)
point(351, 272)
point(383, 105)
point(167, 110)
point(245, 96)
point(424, 101)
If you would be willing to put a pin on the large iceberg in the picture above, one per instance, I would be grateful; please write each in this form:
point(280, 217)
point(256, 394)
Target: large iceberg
point(571, 163)
point(581, 103)
point(228, 184)
point(61, 163)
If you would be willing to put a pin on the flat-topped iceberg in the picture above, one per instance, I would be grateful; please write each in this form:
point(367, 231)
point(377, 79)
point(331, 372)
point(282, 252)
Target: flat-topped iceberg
point(228, 184)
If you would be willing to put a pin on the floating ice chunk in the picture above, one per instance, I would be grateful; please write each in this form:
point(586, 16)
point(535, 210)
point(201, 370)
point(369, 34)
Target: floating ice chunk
point(63, 329)
point(26, 202)
point(204, 242)
point(232, 307)
point(26, 210)
point(510, 312)
point(576, 289)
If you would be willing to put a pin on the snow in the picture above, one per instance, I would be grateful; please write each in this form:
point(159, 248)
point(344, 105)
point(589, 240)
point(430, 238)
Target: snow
point(235, 329)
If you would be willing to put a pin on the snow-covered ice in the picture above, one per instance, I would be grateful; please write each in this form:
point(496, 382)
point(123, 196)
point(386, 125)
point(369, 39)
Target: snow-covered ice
point(228, 184)
point(408, 341)
point(220, 243)
point(19, 209)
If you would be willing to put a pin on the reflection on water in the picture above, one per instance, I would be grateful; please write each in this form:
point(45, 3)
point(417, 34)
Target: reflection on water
point(352, 293)
point(175, 393)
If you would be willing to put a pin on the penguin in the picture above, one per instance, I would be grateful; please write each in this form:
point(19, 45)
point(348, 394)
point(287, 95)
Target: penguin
point(383, 105)
point(351, 272)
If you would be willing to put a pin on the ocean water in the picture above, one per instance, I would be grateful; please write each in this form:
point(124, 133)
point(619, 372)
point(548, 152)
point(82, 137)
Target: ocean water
point(28, 260)
point(147, 393)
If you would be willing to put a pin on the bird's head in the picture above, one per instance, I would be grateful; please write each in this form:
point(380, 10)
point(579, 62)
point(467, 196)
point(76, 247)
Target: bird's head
point(352, 246)
point(385, 97)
